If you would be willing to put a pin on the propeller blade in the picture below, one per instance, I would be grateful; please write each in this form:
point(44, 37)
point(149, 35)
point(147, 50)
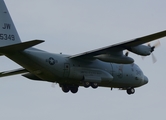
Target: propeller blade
point(149, 44)
point(157, 44)
point(153, 58)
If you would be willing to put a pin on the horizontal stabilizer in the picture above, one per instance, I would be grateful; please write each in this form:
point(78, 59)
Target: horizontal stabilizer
point(13, 72)
point(19, 47)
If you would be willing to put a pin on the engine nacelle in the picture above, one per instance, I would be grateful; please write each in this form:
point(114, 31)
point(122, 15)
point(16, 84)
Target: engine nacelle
point(141, 50)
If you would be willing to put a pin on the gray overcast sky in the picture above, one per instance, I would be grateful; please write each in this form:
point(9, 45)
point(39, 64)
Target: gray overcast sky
point(75, 26)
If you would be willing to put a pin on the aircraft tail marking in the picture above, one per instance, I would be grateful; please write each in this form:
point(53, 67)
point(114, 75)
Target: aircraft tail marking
point(8, 32)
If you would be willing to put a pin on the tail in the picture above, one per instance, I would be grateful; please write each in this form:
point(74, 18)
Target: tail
point(8, 32)
point(9, 38)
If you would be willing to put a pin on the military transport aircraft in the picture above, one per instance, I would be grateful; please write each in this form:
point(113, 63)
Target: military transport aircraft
point(105, 67)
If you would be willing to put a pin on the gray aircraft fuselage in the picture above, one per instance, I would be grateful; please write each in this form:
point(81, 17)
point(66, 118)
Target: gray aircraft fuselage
point(59, 68)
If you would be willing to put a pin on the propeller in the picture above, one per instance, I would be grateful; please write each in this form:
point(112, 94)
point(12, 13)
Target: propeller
point(157, 44)
point(153, 58)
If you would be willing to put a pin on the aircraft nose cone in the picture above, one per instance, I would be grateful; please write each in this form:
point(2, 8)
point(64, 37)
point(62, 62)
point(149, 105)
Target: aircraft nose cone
point(145, 80)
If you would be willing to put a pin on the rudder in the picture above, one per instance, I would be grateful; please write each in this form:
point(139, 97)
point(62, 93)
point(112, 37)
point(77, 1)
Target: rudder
point(8, 32)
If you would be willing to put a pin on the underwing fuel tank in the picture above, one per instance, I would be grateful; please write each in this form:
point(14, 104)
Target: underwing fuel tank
point(122, 59)
point(90, 75)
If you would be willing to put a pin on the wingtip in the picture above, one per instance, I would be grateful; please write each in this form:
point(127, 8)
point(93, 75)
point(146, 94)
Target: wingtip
point(39, 40)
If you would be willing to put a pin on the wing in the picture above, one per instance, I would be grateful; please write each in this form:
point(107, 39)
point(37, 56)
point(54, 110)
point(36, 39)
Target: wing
point(13, 72)
point(118, 48)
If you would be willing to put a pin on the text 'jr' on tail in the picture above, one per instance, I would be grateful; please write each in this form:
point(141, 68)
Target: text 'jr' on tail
point(8, 33)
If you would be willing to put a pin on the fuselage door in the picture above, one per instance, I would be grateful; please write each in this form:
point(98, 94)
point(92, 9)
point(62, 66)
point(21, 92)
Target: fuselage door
point(66, 70)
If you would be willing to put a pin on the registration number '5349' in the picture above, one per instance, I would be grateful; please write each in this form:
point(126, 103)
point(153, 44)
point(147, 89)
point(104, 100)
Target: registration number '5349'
point(7, 37)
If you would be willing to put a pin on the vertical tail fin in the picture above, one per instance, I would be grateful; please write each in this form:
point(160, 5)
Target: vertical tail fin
point(8, 33)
